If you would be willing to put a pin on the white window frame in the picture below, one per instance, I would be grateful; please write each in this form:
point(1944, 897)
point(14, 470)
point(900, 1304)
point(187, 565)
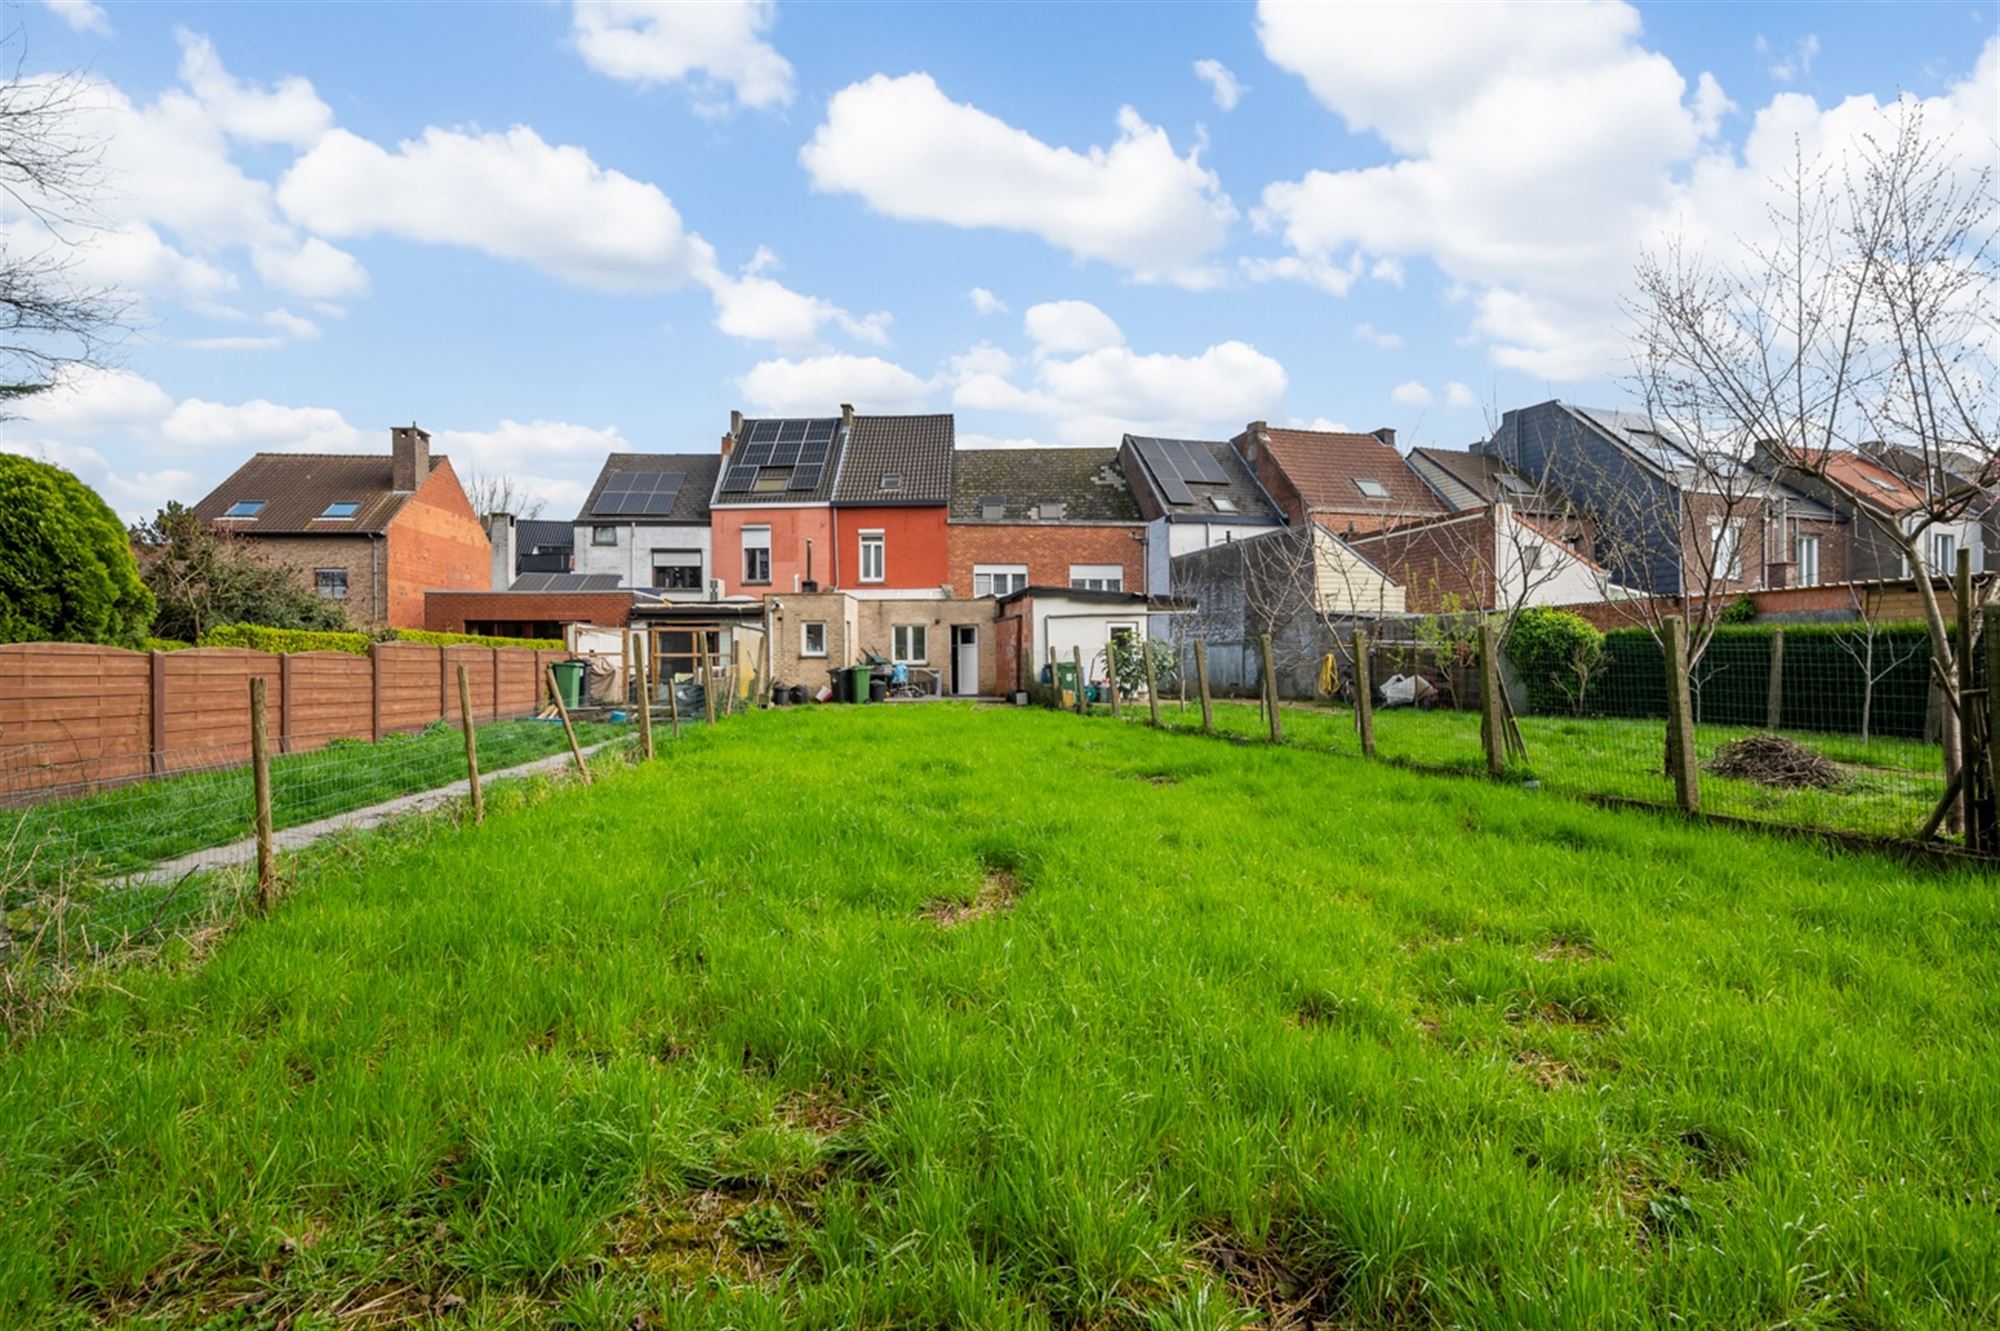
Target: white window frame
point(998, 579)
point(876, 569)
point(690, 556)
point(1941, 551)
point(902, 637)
point(1097, 577)
point(1808, 541)
point(251, 507)
point(1725, 538)
point(757, 540)
point(806, 647)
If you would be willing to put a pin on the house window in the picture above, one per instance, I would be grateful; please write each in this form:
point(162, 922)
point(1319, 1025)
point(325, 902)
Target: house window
point(1097, 577)
point(771, 480)
point(1808, 561)
point(330, 583)
point(1944, 552)
point(812, 639)
point(1222, 504)
point(992, 508)
point(341, 508)
point(244, 508)
point(1726, 548)
point(998, 579)
point(910, 643)
point(1049, 510)
point(874, 556)
point(604, 536)
point(1373, 489)
point(677, 570)
point(756, 554)
point(892, 480)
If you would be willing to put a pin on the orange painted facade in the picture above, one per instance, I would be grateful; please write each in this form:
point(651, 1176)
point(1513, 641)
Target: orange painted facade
point(914, 545)
point(790, 528)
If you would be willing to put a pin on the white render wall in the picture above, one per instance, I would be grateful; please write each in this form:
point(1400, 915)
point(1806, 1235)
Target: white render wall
point(631, 560)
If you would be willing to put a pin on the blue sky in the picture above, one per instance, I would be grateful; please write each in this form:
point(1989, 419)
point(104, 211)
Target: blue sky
point(546, 231)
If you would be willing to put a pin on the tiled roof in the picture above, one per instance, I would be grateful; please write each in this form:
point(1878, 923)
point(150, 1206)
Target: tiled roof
point(1465, 479)
point(1245, 494)
point(539, 533)
point(912, 451)
point(1325, 467)
point(1872, 484)
point(1087, 482)
point(295, 488)
point(698, 472)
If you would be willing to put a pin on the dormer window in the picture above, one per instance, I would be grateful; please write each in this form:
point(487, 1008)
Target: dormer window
point(1049, 510)
point(1371, 488)
point(244, 508)
point(1222, 503)
point(892, 480)
point(992, 508)
point(341, 508)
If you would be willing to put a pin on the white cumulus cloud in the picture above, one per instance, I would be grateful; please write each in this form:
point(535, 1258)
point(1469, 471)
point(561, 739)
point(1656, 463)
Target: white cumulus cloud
point(1411, 394)
point(1377, 337)
point(815, 385)
point(1062, 327)
point(82, 15)
point(289, 113)
point(715, 45)
point(912, 153)
point(1222, 85)
point(985, 302)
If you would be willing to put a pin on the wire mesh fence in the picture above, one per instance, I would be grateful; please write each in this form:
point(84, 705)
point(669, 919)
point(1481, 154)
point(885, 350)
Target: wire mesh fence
point(1835, 728)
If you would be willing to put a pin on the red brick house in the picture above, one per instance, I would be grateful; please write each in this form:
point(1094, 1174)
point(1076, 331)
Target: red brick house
point(889, 504)
point(1043, 517)
point(372, 531)
point(1345, 482)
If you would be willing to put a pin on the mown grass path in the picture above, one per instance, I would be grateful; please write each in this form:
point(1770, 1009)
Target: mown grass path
point(953, 1016)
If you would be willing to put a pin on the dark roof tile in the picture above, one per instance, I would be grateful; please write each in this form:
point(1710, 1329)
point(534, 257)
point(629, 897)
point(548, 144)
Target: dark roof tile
point(296, 488)
point(913, 450)
point(690, 502)
point(1087, 482)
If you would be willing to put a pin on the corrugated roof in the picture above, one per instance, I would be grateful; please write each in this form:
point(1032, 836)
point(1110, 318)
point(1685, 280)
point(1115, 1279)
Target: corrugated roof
point(296, 488)
point(698, 470)
point(1246, 497)
point(913, 452)
point(1087, 482)
point(1326, 468)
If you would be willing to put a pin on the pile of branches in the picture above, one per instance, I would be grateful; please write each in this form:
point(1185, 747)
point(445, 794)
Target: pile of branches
point(1773, 760)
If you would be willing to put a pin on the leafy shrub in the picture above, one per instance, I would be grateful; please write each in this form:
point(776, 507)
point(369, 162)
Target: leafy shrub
point(262, 638)
point(203, 578)
point(1557, 653)
point(66, 569)
point(1739, 612)
point(167, 645)
point(1128, 662)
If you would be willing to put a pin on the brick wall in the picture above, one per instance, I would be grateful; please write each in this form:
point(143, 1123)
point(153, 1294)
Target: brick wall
point(436, 543)
point(914, 545)
point(450, 611)
point(364, 558)
point(1048, 549)
point(72, 714)
point(1438, 564)
point(1883, 602)
point(857, 624)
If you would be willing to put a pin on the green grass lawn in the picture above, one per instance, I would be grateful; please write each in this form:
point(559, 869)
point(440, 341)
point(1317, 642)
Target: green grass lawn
point(936, 1016)
point(1890, 785)
point(133, 826)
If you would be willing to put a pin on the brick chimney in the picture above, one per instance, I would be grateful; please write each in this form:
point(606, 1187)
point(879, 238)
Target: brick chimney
point(847, 414)
point(735, 433)
point(1386, 434)
point(500, 533)
point(1251, 441)
point(410, 448)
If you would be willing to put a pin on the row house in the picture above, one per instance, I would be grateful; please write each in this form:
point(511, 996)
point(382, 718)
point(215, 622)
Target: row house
point(1662, 526)
point(372, 531)
point(1873, 500)
point(646, 523)
point(1343, 481)
point(1044, 517)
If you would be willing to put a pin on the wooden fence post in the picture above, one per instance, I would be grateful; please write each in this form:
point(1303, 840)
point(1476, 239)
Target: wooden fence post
point(1201, 682)
point(375, 691)
point(1991, 631)
point(708, 674)
point(1152, 682)
point(284, 702)
point(1111, 670)
point(644, 657)
point(673, 705)
point(260, 783)
point(1492, 725)
point(444, 683)
point(157, 709)
point(1364, 694)
point(1270, 689)
point(1968, 761)
point(1076, 654)
point(471, 744)
point(496, 683)
point(1681, 760)
point(569, 731)
point(1774, 697)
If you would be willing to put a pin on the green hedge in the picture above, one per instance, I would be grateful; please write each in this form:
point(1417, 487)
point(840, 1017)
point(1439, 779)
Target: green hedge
point(166, 645)
point(1823, 683)
point(260, 639)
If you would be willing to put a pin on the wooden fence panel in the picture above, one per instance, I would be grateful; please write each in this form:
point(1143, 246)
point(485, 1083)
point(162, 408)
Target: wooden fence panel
point(478, 663)
point(329, 696)
point(519, 687)
point(208, 704)
point(410, 692)
point(72, 712)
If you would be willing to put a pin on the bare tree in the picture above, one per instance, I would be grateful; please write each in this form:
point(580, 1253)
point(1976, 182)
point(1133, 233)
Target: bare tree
point(1868, 312)
point(50, 323)
point(1874, 658)
point(497, 492)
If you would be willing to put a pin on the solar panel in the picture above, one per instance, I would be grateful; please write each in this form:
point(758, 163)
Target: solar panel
point(764, 432)
point(1158, 460)
point(812, 454)
point(805, 478)
point(738, 479)
point(757, 455)
point(1199, 465)
point(785, 455)
point(792, 432)
point(820, 432)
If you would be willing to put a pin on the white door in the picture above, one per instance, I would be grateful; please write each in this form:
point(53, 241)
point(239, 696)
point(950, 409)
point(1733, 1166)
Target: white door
point(965, 659)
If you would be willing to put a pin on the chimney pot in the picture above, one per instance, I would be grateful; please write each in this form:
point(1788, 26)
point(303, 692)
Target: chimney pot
point(410, 457)
point(501, 534)
point(728, 444)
